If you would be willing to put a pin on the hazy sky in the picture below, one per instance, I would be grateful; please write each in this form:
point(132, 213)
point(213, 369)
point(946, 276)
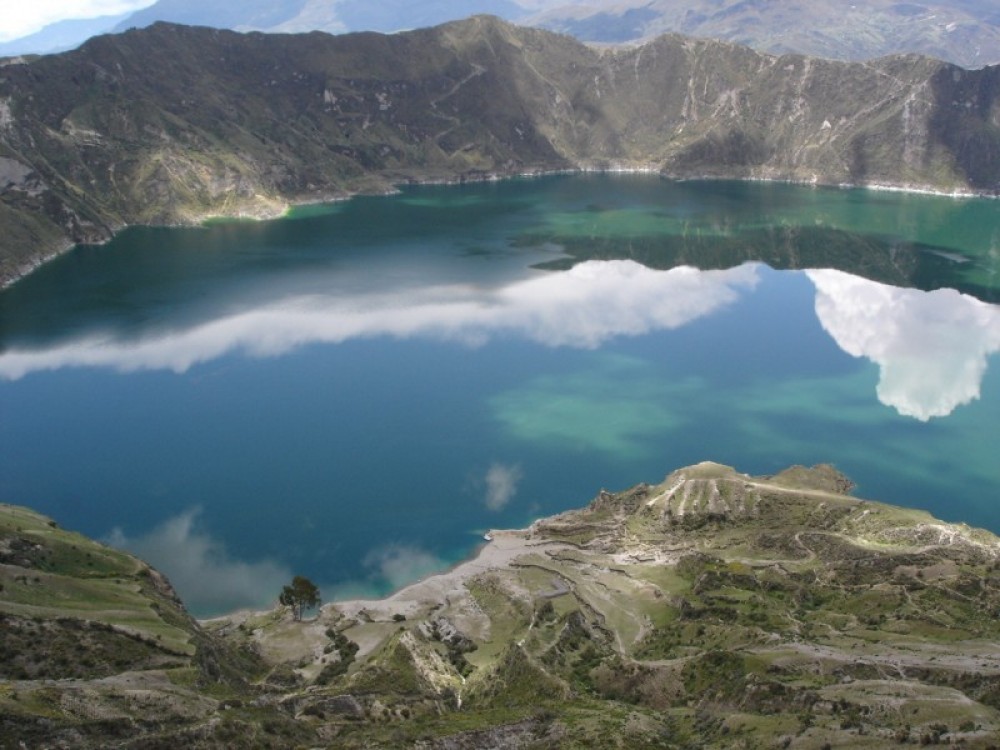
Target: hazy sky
point(19, 18)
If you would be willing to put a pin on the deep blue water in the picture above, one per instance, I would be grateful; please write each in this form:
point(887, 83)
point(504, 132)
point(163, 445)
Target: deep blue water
point(357, 392)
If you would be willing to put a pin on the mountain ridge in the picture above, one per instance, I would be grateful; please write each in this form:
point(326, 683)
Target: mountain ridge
point(964, 32)
point(170, 124)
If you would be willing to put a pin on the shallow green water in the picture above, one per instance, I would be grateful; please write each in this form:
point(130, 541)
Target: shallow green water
point(359, 391)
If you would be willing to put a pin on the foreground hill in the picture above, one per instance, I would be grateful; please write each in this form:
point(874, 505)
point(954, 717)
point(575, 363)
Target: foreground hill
point(712, 610)
point(171, 123)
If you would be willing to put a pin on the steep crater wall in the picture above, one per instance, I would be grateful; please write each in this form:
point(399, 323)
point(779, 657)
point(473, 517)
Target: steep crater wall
point(171, 124)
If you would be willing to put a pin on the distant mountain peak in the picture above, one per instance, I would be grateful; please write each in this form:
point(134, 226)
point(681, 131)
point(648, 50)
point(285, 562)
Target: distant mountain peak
point(960, 31)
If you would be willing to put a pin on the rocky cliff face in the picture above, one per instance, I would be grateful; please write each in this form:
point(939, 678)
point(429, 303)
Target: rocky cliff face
point(170, 123)
point(711, 610)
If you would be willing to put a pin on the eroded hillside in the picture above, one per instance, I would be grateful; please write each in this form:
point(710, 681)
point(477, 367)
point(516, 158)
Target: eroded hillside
point(711, 610)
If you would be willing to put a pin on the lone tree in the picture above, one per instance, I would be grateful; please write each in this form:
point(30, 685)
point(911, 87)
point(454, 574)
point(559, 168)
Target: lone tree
point(300, 595)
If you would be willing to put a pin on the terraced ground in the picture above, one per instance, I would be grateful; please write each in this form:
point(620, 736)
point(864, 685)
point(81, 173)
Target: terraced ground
point(712, 610)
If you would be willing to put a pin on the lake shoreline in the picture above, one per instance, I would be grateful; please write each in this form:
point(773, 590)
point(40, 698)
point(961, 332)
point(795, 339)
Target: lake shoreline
point(360, 327)
point(504, 547)
point(283, 209)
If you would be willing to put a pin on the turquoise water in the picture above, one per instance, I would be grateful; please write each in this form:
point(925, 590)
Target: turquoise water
point(359, 391)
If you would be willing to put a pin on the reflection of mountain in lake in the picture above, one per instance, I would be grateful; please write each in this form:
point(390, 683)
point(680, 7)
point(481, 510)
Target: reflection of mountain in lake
point(931, 347)
point(784, 247)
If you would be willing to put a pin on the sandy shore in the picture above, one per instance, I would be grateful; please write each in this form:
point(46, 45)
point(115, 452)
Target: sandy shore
point(415, 599)
point(506, 547)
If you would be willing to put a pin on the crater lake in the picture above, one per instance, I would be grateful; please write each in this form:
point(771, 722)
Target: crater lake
point(359, 391)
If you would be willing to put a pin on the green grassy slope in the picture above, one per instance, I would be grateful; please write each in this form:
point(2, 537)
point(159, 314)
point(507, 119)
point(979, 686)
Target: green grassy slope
point(711, 610)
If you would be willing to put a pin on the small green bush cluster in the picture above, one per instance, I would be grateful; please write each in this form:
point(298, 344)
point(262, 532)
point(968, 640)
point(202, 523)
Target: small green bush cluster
point(345, 648)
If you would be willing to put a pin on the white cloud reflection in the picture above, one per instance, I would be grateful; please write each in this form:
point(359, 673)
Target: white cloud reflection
point(400, 564)
point(582, 307)
point(207, 578)
point(501, 485)
point(931, 347)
